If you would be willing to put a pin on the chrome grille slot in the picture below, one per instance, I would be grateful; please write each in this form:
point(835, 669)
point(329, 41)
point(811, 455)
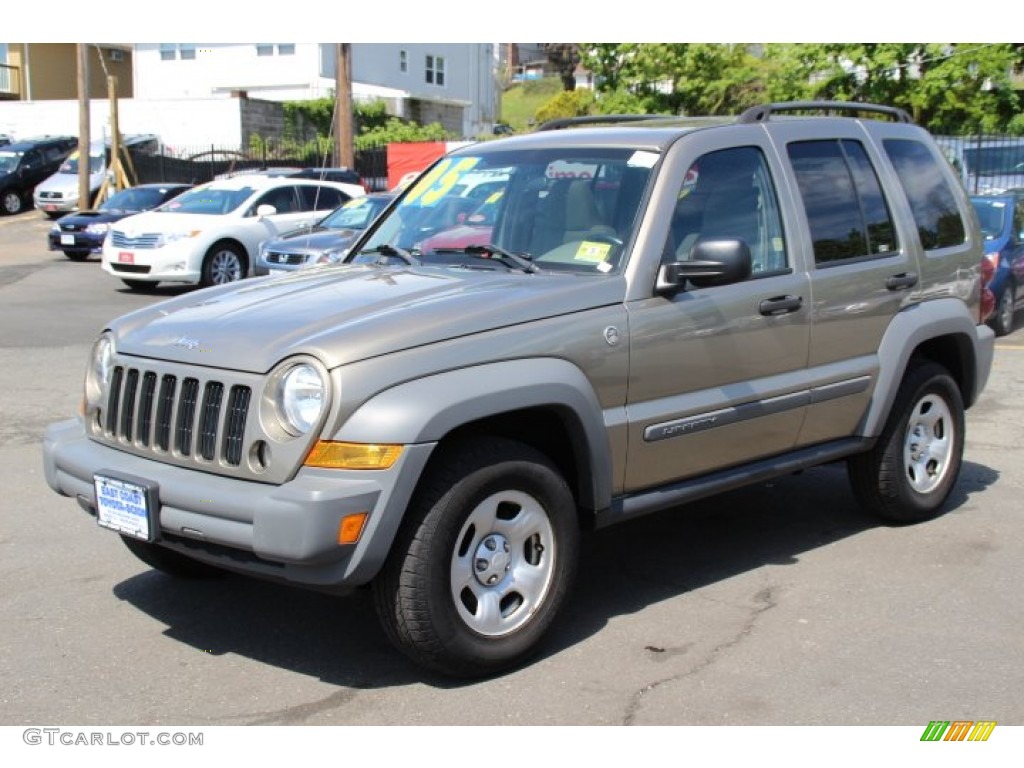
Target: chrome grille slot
point(238, 409)
point(114, 400)
point(209, 418)
point(165, 412)
point(131, 385)
point(146, 407)
point(185, 424)
point(121, 240)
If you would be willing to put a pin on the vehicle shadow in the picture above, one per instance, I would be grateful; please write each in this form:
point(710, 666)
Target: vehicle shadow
point(623, 570)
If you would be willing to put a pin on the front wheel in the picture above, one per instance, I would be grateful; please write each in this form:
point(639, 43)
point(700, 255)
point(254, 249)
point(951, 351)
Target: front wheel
point(484, 561)
point(224, 263)
point(909, 473)
point(10, 201)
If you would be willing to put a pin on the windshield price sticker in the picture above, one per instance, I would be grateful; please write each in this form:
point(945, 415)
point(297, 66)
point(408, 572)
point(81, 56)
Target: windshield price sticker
point(122, 506)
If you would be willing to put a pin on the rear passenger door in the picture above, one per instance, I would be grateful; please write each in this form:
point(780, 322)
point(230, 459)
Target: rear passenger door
point(863, 269)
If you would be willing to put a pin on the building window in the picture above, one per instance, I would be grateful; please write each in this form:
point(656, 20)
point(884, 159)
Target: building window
point(403, 61)
point(286, 49)
point(116, 55)
point(435, 70)
point(264, 49)
point(172, 51)
point(267, 49)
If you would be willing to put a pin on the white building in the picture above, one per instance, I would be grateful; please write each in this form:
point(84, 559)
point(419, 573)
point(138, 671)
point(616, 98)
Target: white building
point(451, 83)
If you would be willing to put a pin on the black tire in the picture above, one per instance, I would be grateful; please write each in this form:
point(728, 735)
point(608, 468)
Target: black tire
point(11, 202)
point(459, 550)
point(53, 214)
point(77, 255)
point(139, 285)
point(1002, 320)
point(224, 263)
point(909, 473)
point(170, 562)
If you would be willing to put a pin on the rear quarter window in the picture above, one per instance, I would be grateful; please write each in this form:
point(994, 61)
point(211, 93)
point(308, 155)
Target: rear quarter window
point(938, 220)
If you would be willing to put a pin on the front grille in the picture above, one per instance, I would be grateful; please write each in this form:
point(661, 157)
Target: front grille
point(121, 240)
point(184, 416)
point(292, 259)
point(72, 227)
point(51, 195)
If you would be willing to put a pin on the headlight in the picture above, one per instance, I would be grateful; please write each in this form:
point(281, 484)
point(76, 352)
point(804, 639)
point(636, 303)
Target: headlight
point(300, 398)
point(97, 229)
point(172, 237)
point(333, 256)
point(97, 377)
point(55, 229)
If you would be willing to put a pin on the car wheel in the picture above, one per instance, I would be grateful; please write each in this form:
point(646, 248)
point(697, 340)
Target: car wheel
point(10, 201)
point(1002, 320)
point(909, 473)
point(170, 562)
point(483, 562)
point(77, 255)
point(224, 263)
point(139, 285)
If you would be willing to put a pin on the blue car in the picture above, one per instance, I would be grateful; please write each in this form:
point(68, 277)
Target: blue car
point(1002, 225)
point(80, 234)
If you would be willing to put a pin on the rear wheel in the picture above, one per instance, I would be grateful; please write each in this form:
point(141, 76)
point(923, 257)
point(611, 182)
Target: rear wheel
point(170, 562)
point(911, 470)
point(1002, 320)
point(484, 561)
point(224, 263)
point(10, 201)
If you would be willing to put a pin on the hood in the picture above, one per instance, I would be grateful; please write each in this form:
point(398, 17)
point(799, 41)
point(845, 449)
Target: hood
point(316, 240)
point(344, 313)
point(164, 223)
point(85, 218)
point(65, 182)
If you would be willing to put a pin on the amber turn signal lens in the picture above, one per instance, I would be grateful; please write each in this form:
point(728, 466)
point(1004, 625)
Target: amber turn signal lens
point(351, 527)
point(333, 455)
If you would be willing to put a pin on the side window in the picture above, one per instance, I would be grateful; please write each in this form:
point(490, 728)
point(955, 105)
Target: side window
point(32, 159)
point(1018, 223)
point(321, 198)
point(282, 198)
point(729, 194)
point(931, 198)
point(846, 210)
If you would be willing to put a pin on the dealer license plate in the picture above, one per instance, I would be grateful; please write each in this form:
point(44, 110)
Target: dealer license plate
point(124, 506)
point(126, 257)
point(67, 239)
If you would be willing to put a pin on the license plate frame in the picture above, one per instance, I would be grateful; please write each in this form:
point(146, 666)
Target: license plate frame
point(127, 505)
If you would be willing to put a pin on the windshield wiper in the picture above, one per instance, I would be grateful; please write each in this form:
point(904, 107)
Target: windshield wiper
point(392, 250)
point(490, 251)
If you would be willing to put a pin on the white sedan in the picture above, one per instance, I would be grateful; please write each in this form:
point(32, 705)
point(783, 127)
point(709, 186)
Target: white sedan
point(211, 234)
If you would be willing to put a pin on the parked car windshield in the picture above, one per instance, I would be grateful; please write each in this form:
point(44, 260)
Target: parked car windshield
point(133, 200)
point(8, 161)
point(995, 161)
point(357, 213)
point(71, 164)
point(566, 209)
point(991, 215)
point(209, 201)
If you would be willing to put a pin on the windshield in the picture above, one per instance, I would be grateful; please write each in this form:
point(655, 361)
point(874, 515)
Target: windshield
point(569, 209)
point(215, 202)
point(133, 200)
point(991, 215)
point(357, 213)
point(8, 161)
point(71, 164)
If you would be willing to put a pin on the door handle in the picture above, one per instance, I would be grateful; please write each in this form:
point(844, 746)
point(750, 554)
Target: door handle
point(901, 281)
point(780, 305)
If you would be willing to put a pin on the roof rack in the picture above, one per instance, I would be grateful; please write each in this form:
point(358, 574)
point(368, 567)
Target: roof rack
point(569, 122)
point(763, 112)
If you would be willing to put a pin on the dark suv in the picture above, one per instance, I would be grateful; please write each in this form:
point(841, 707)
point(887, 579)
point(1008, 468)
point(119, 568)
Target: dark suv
point(28, 162)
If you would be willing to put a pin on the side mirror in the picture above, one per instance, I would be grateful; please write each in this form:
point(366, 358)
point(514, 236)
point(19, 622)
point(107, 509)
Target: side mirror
point(265, 210)
point(714, 262)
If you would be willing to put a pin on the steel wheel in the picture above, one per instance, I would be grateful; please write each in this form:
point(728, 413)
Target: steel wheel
point(503, 566)
point(223, 264)
point(928, 445)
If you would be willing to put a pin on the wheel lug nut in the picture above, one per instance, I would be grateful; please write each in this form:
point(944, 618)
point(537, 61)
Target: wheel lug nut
point(481, 565)
point(489, 543)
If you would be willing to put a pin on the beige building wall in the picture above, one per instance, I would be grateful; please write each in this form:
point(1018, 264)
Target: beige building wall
point(51, 72)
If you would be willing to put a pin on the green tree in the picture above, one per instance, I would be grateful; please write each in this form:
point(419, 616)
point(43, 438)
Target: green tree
point(564, 57)
point(566, 104)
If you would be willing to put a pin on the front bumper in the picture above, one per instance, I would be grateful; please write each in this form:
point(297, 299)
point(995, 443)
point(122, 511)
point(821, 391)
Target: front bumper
point(176, 262)
point(83, 241)
point(283, 532)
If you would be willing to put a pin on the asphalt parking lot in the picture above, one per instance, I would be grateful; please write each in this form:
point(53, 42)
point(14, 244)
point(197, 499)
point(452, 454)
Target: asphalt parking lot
point(779, 604)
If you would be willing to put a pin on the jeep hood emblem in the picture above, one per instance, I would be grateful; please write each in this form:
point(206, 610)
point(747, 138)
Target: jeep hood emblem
point(186, 342)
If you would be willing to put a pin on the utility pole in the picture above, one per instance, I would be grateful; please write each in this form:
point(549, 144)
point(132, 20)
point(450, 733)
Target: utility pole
point(343, 123)
point(83, 127)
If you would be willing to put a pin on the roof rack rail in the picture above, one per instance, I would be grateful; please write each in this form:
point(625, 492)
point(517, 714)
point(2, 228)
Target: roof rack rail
point(569, 122)
point(763, 112)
